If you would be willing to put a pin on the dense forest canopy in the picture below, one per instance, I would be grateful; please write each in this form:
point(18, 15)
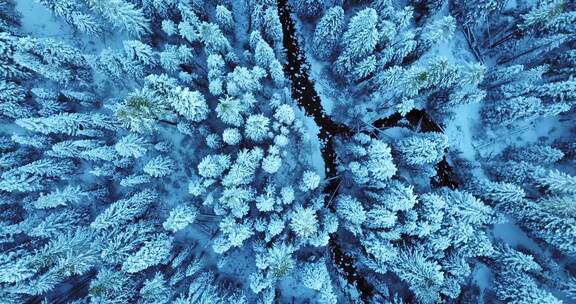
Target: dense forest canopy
point(290, 151)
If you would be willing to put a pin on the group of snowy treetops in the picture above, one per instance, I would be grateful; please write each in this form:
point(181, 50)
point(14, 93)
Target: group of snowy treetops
point(154, 151)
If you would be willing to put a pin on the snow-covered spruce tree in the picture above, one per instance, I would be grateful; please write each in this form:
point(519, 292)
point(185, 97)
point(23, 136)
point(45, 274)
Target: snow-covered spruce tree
point(13, 97)
point(517, 172)
point(131, 145)
point(272, 28)
point(190, 104)
point(308, 8)
point(180, 217)
point(215, 64)
point(67, 123)
point(359, 40)
point(55, 60)
point(71, 11)
point(124, 210)
point(8, 68)
point(370, 160)
point(139, 52)
point(159, 166)
point(224, 18)
point(69, 195)
point(153, 252)
point(122, 14)
point(514, 273)
point(420, 149)
point(512, 110)
point(118, 66)
point(328, 32)
point(559, 182)
point(263, 54)
point(159, 100)
point(9, 17)
point(315, 276)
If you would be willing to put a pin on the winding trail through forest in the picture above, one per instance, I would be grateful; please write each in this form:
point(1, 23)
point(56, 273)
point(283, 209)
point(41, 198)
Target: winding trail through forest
point(304, 92)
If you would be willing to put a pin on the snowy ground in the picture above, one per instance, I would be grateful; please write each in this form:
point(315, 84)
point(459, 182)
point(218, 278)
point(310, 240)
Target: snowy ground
point(460, 130)
point(315, 159)
point(543, 130)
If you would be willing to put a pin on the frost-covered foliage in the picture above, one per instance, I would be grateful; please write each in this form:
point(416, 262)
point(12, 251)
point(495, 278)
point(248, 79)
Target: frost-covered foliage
point(291, 151)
